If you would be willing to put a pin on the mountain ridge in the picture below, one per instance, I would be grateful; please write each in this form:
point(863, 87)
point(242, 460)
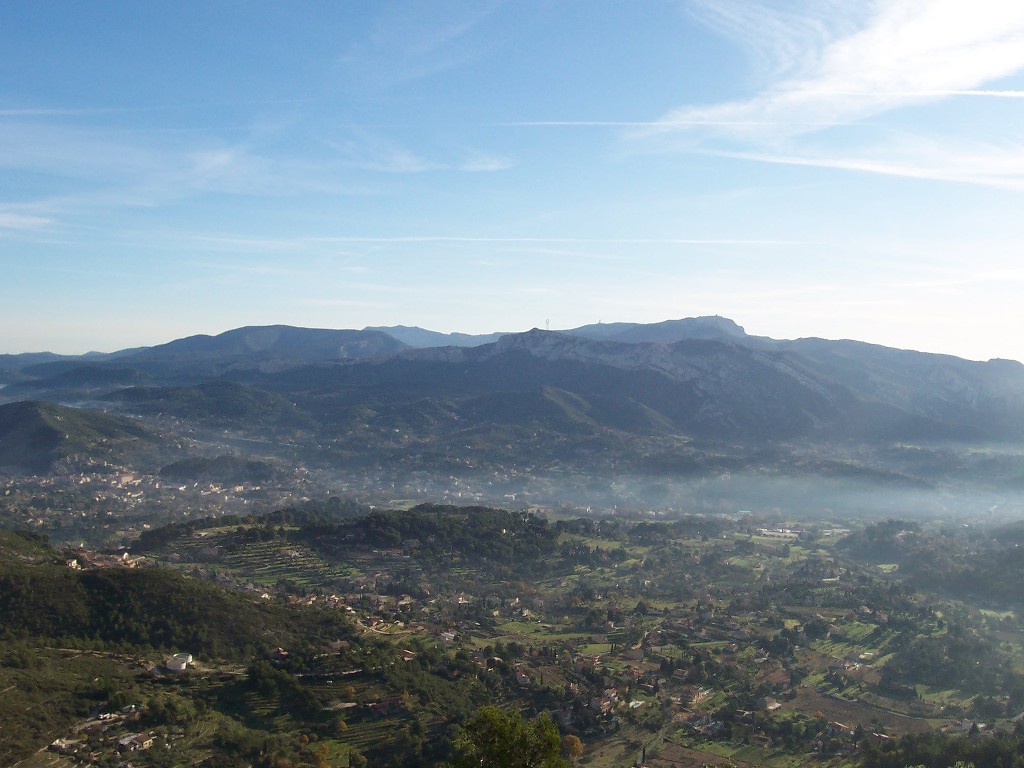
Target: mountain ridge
point(414, 337)
point(702, 378)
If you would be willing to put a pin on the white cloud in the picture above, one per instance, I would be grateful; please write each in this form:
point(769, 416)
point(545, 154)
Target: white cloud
point(779, 39)
point(833, 66)
point(906, 52)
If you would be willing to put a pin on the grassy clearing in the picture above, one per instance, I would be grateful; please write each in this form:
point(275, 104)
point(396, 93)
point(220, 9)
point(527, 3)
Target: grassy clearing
point(856, 631)
point(338, 753)
point(1001, 615)
point(404, 505)
point(596, 543)
point(947, 697)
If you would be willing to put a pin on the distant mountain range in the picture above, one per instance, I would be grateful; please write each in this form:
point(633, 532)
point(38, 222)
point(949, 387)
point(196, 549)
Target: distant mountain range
point(702, 378)
point(280, 346)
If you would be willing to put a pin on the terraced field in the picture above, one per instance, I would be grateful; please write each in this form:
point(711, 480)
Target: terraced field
point(271, 562)
point(266, 563)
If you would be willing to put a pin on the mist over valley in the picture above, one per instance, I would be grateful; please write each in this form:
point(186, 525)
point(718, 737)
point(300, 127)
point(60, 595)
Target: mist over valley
point(680, 417)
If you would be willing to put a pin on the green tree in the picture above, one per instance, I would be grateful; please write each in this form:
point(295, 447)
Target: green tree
point(497, 738)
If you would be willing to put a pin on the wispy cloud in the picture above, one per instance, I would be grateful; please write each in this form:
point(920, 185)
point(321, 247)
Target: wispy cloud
point(777, 36)
point(374, 153)
point(411, 41)
point(695, 119)
point(312, 302)
point(841, 67)
point(482, 163)
point(77, 151)
point(43, 112)
point(657, 124)
point(234, 267)
point(908, 51)
point(335, 247)
point(955, 161)
point(370, 152)
point(21, 221)
point(581, 240)
point(86, 168)
point(183, 106)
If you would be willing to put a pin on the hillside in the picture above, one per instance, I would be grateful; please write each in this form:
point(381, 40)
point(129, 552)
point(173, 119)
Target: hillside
point(11, 366)
point(712, 388)
point(34, 435)
point(64, 377)
point(41, 597)
point(76, 643)
point(213, 404)
point(666, 332)
point(421, 337)
point(220, 469)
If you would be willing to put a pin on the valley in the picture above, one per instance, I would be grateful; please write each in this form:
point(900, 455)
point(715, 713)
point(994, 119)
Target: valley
point(678, 545)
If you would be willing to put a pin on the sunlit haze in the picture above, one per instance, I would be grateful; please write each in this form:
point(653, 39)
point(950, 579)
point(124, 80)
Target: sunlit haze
point(833, 169)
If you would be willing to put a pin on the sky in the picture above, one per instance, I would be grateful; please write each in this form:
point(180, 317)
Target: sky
point(820, 168)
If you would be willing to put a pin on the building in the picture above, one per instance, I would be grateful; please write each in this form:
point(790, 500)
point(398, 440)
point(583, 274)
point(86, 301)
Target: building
point(179, 662)
point(135, 742)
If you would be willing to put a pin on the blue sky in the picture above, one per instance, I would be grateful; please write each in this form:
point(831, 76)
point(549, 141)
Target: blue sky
point(834, 169)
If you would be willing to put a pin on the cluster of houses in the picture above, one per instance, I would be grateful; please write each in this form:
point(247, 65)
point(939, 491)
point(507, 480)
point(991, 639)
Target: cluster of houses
point(84, 559)
point(119, 501)
point(82, 748)
point(606, 702)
